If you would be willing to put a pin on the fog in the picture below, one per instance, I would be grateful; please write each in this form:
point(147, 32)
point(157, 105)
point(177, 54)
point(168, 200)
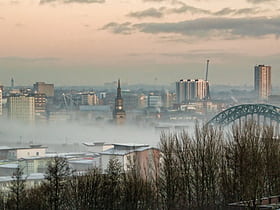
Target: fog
point(68, 133)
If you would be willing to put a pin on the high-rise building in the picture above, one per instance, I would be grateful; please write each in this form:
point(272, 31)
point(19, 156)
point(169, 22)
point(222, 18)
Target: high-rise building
point(191, 90)
point(118, 112)
point(263, 81)
point(43, 88)
point(21, 108)
point(89, 99)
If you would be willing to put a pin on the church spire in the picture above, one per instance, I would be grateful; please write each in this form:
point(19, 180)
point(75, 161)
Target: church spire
point(118, 112)
point(119, 94)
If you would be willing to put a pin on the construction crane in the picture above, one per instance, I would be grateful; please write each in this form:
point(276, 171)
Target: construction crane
point(207, 67)
point(206, 79)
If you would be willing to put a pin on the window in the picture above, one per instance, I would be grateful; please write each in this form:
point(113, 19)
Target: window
point(37, 153)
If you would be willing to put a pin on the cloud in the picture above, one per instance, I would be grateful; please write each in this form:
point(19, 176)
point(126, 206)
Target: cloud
point(187, 8)
point(224, 11)
point(151, 12)
point(260, 1)
point(28, 59)
point(116, 28)
point(203, 27)
point(72, 1)
point(244, 11)
point(153, 0)
point(226, 28)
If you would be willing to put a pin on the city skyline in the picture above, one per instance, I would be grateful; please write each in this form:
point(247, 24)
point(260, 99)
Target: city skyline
point(89, 42)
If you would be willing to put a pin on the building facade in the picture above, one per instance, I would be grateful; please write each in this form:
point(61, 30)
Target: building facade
point(89, 99)
point(43, 88)
point(191, 90)
point(21, 108)
point(263, 81)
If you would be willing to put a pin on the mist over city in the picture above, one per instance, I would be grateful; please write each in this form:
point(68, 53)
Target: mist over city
point(139, 104)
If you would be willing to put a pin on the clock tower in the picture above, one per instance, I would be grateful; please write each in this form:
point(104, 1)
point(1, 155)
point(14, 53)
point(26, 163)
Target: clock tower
point(119, 113)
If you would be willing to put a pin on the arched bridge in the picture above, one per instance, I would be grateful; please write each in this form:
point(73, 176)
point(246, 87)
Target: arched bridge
point(237, 112)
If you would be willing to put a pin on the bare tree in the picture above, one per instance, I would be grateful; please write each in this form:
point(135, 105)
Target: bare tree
point(57, 174)
point(17, 190)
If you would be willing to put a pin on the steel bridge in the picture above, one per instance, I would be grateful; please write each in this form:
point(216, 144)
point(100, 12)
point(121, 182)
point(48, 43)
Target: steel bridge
point(256, 112)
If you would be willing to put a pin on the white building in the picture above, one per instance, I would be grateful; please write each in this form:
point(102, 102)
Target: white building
point(154, 101)
point(15, 153)
point(263, 81)
point(191, 90)
point(97, 147)
point(21, 108)
point(89, 99)
point(144, 158)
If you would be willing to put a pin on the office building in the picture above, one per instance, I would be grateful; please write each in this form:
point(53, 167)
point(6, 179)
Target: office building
point(263, 81)
point(21, 108)
point(118, 112)
point(43, 88)
point(191, 90)
point(154, 101)
point(89, 99)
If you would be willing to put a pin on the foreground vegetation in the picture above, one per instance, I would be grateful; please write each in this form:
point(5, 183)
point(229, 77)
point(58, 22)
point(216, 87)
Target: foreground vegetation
point(205, 171)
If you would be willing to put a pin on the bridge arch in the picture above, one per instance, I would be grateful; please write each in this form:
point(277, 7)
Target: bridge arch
point(237, 112)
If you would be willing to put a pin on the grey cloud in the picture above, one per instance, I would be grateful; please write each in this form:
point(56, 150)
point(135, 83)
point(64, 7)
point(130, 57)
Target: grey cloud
point(244, 11)
point(158, 13)
point(47, 1)
point(116, 28)
point(260, 1)
point(248, 11)
point(84, 1)
point(224, 11)
point(205, 27)
point(72, 1)
point(153, 0)
point(151, 12)
point(187, 8)
point(26, 59)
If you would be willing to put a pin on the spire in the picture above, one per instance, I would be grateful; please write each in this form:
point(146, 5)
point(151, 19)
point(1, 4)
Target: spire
point(119, 95)
point(12, 82)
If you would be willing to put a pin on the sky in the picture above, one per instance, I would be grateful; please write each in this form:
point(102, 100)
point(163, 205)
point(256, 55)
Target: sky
point(90, 42)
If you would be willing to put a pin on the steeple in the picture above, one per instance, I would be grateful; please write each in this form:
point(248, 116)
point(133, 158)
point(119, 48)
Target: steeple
point(118, 112)
point(119, 91)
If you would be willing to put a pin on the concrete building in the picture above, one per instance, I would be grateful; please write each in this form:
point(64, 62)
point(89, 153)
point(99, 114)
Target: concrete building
point(142, 157)
point(263, 81)
point(167, 99)
point(15, 153)
point(131, 100)
point(97, 147)
point(191, 90)
point(21, 108)
point(89, 99)
point(42, 87)
point(154, 101)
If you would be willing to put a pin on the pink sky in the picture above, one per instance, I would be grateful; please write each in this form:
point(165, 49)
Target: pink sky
point(92, 43)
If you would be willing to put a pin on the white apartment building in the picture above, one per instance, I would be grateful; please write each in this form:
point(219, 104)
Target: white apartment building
point(263, 81)
point(191, 90)
point(21, 108)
